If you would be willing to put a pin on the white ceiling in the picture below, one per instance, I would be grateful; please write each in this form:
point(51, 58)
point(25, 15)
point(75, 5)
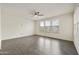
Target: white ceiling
point(48, 9)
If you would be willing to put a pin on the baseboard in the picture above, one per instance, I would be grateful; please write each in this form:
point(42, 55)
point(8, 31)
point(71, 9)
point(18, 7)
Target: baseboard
point(34, 35)
point(53, 37)
point(18, 37)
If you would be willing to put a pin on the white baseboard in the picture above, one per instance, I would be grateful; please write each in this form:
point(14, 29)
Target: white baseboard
point(17, 37)
point(54, 37)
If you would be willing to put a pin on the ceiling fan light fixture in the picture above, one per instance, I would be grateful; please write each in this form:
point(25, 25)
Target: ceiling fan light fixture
point(35, 15)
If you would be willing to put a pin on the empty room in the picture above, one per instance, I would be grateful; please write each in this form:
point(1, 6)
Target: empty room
point(39, 29)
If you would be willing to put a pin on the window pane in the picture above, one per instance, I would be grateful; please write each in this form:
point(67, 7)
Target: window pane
point(41, 23)
point(47, 23)
point(55, 22)
point(55, 26)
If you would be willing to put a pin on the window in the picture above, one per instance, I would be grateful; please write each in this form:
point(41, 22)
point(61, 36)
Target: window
point(55, 22)
point(55, 26)
point(41, 23)
point(42, 26)
point(49, 25)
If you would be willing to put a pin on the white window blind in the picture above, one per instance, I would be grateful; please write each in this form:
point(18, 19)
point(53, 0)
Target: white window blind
point(55, 22)
point(55, 25)
point(42, 28)
point(49, 25)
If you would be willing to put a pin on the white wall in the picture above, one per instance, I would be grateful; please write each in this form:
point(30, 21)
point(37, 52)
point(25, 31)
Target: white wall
point(65, 31)
point(15, 22)
point(0, 26)
point(76, 28)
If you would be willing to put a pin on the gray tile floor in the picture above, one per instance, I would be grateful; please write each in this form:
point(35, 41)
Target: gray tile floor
point(37, 45)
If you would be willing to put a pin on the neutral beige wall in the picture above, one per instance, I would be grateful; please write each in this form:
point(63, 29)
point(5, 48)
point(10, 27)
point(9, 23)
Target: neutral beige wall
point(15, 22)
point(76, 28)
point(65, 30)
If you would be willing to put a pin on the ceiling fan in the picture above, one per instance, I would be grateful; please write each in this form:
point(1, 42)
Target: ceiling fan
point(36, 13)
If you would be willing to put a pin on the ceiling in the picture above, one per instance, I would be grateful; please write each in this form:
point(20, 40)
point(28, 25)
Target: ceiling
point(47, 9)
